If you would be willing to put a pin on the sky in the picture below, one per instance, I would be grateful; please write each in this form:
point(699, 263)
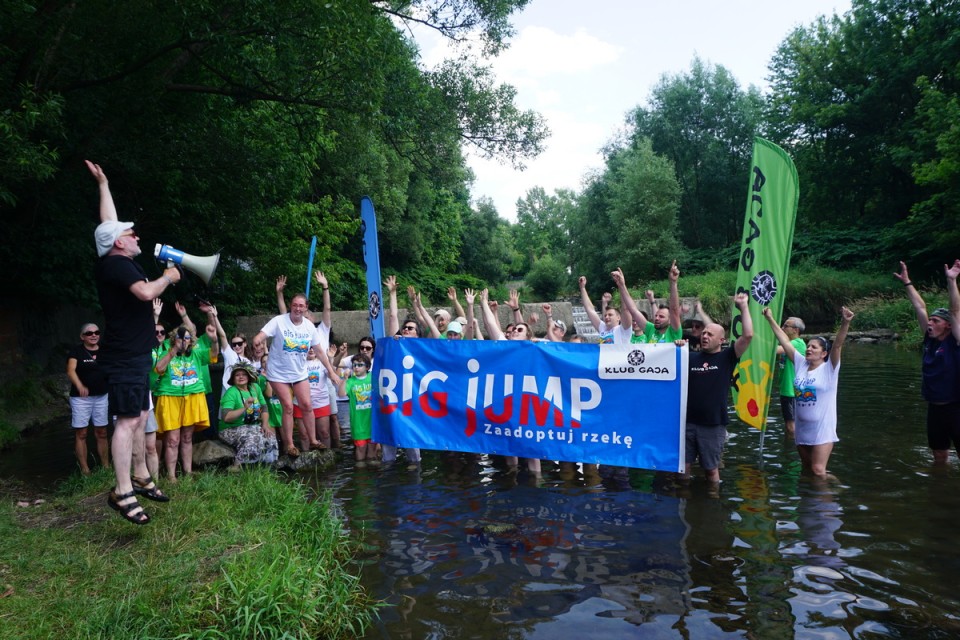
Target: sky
point(584, 65)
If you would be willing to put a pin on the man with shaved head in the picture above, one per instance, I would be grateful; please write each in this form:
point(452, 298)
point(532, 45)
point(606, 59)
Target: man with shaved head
point(708, 387)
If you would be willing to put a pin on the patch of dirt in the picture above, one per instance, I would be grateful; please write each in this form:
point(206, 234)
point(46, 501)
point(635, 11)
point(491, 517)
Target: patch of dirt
point(33, 508)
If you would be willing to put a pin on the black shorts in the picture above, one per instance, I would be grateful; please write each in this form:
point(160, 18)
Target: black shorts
point(943, 426)
point(788, 407)
point(128, 383)
point(705, 443)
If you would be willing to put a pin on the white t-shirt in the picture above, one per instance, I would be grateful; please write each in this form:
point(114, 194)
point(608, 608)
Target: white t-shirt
point(816, 401)
point(289, 344)
point(318, 379)
point(230, 358)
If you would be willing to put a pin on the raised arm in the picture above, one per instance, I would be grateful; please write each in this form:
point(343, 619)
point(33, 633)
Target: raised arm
point(837, 347)
point(185, 318)
point(493, 325)
point(673, 302)
point(605, 300)
point(548, 314)
point(469, 295)
point(652, 301)
point(514, 304)
point(157, 309)
point(455, 303)
point(588, 305)
point(281, 285)
point(786, 347)
point(952, 272)
point(393, 319)
point(627, 303)
point(326, 314)
point(107, 209)
point(919, 306)
point(746, 323)
point(703, 314)
point(425, 317)
point(213, 317)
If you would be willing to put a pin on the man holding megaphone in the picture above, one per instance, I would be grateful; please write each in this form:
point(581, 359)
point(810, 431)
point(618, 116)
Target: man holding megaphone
point(126, 297)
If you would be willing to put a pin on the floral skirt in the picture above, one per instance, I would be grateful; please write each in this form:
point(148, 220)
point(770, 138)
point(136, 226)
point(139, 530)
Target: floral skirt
point(251, 444)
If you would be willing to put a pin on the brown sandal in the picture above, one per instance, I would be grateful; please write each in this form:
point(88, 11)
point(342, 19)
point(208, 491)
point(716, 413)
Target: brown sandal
point(292, 451)
point(132, 511)
point(146, 488)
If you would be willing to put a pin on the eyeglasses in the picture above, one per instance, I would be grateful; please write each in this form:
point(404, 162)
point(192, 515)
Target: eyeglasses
point(359, 364)
point(237, 344)
point(91, 333)
point(160, 332)
point(409, 327)
point(369, 348)
point(129, 232)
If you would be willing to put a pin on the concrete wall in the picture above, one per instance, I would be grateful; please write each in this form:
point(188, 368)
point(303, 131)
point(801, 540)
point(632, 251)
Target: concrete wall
point(350, 326)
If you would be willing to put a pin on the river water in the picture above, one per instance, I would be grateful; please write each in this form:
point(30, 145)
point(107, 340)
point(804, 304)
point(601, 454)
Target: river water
point(463, 549)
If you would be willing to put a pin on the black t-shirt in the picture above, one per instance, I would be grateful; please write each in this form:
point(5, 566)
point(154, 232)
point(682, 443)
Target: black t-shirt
point(128, 330)
point(87, 370)
point(708, 386)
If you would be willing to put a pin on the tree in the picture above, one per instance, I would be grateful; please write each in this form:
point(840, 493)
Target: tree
point(214, 120)
point(847, 105)
point(541, 227)
point(486, 243)
point(705, 124)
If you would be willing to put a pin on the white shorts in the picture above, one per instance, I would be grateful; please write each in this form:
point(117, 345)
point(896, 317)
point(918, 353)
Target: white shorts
point(85, 409)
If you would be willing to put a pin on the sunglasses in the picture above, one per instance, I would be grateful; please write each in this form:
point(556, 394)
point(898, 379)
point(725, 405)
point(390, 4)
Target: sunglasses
point(359, 364)
point(367, 348)
point(237, 344)
point(409, 328)
point(91, 333)
point(160, 332)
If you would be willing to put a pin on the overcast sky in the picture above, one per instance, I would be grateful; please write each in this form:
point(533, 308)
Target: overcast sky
point(584, 65)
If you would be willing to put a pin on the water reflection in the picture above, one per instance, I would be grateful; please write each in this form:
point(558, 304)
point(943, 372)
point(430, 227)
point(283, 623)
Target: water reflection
point(463, 549)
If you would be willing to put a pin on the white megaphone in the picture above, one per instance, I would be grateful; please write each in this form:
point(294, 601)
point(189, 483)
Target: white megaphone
point(202, 266)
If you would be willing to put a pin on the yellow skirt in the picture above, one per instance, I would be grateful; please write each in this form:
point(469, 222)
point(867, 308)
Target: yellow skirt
point(174, 412)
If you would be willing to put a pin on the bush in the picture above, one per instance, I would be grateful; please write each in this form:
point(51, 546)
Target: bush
point(547, 278)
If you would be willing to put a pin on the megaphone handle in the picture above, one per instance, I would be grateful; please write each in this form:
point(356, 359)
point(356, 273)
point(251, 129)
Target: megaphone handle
point(179, 268)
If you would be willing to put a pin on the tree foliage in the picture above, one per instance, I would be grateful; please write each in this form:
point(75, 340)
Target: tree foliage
point(249, 127)
point(704, 123)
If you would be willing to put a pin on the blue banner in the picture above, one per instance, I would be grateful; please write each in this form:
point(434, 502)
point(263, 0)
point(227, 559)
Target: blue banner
point(371, 258)
point(612, 404)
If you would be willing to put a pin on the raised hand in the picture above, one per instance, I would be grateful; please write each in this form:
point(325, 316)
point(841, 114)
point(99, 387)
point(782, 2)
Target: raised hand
point(469, 295)
point(451, 294)
point(321, 279)
point(903, 276)
point(391, 284)
point(674, 272)
point(952, 271)
point(547, 309)
point(848, 314)
point(281, 283)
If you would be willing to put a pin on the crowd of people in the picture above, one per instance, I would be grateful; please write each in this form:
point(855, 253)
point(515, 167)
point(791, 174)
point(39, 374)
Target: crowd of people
point(291, 374)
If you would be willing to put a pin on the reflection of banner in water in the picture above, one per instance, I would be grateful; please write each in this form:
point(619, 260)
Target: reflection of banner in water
point(764, 265)
point(768, 576)
point(613, 404)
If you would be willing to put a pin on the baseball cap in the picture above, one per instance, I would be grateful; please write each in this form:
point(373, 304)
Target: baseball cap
point(107, 233)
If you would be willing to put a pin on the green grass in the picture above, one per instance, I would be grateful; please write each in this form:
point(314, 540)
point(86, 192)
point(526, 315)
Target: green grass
point(231, 556)
point(814, 293)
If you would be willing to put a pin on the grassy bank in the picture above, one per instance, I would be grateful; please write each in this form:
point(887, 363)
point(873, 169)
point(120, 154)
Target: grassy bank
point(231, 556)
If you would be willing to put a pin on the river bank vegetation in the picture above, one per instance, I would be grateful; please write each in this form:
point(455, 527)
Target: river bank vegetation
point(251, 127)
point(246, 555)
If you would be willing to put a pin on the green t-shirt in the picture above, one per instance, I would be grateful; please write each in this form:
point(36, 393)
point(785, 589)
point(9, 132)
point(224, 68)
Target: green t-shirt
point(646, 337)
point(233, 399)
point(360, 393)
point(670, 335)
point(787, 371)
point(274, 408)
point(203, 344)
point(182, 376)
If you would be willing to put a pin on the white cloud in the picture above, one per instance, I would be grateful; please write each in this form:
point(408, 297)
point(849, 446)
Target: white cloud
point(537, 52)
